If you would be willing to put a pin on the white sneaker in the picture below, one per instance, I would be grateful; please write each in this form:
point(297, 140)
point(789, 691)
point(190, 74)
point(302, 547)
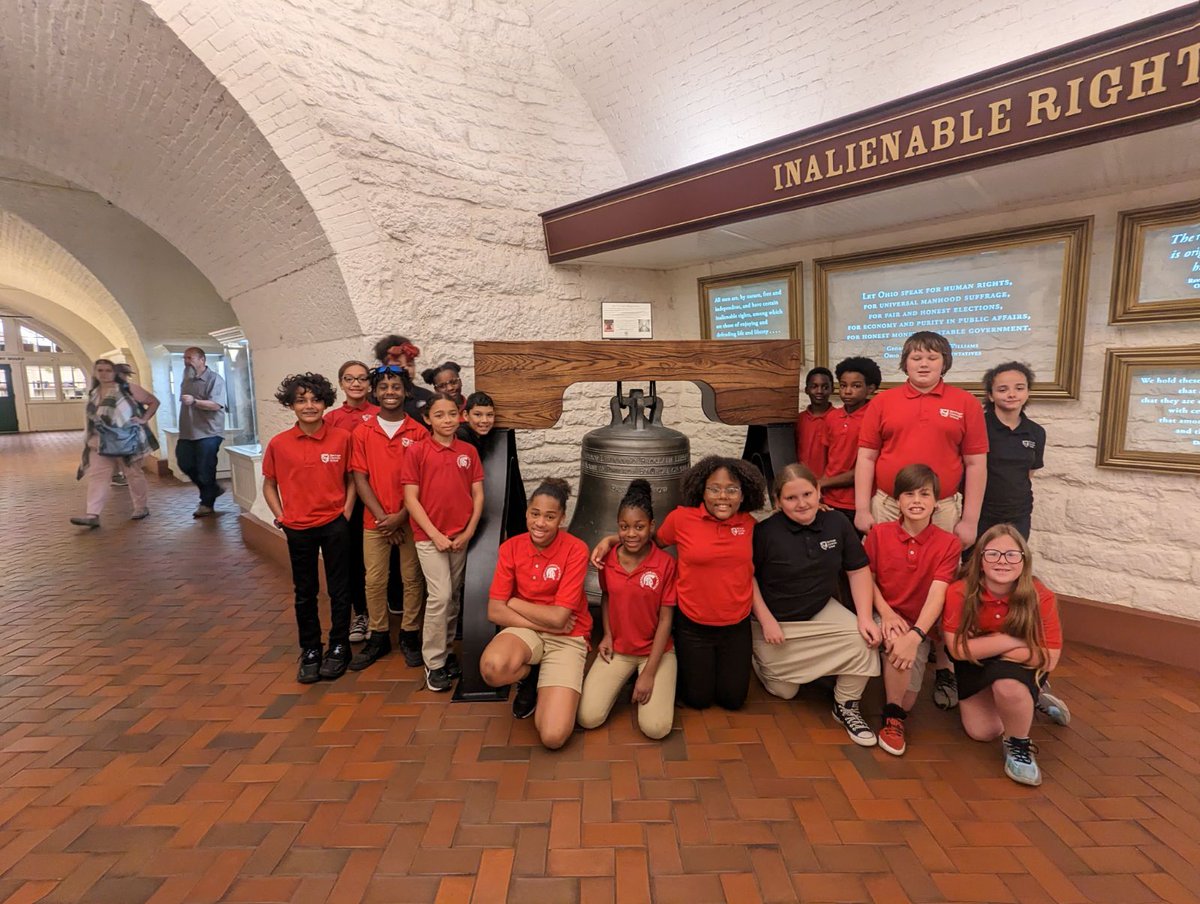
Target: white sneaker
point(856, 726)
point(358, 629)
point(1054, 708)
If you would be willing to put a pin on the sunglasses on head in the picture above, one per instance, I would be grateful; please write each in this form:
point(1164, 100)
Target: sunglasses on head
point(388, 369)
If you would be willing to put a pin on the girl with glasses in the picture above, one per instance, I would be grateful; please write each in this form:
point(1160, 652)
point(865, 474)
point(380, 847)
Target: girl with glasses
point(447, 378)
point(1001, 626)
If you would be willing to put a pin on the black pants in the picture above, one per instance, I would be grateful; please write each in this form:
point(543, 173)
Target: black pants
point(356, 569)
point(304, 547)
point(197, 458)
point(713, 661)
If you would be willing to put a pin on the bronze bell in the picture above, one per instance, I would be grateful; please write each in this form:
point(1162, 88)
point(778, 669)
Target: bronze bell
point(633, 445)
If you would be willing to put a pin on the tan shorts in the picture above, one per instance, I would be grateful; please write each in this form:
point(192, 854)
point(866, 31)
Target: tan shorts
point(885, 508)
point(916, 675)
point(562, 658)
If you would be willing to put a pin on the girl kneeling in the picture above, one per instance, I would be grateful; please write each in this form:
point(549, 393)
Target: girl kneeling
point(638, 585)
point(801, 633)
point(537, 598)
point(1001, 626)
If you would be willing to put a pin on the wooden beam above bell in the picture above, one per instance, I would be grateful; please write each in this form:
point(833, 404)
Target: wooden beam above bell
point(741, 381)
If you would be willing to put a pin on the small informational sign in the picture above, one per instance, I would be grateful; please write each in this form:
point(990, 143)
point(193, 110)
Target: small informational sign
point(1156, 275)
point(625, 320)
point(758, 304)
point(1150, 414)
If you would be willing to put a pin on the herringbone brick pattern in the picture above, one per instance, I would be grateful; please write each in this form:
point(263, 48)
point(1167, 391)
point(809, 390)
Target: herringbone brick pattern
point(154, 747)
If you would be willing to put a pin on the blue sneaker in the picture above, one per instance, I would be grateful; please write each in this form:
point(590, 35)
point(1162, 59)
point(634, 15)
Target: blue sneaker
point(1019, 764)
point(1053, 708)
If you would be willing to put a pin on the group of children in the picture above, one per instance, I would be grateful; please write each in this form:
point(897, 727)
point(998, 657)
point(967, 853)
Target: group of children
point(797, 597)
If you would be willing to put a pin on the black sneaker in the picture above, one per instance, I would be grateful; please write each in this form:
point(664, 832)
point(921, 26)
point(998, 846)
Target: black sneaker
point(437, 679)
point(336, 662)
point(453, 667)
point(525, 699)
point(945, 689)
point(310, 666)
point(410, 646)
point(377, 645)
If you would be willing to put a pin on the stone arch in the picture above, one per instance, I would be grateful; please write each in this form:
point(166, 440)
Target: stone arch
point(172, 111)
point(53, 286)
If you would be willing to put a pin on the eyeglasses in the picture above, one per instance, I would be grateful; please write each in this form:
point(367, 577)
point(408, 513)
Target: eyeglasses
point(731, 492)
point(350, 379)
point(397, 369)
point(447, 384)
point(1011, 556)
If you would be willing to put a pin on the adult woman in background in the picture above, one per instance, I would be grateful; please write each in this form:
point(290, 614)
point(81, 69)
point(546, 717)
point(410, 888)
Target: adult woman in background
point(117, 413)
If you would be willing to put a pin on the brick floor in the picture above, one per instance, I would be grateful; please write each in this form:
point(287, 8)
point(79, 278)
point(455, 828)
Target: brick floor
point(154, 747)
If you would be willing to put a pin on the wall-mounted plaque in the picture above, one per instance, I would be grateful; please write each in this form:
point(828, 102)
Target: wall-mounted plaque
point(1150, 416)
point(1156, 273)
point(754, 304)
point(1013, 295)
point(626, 320)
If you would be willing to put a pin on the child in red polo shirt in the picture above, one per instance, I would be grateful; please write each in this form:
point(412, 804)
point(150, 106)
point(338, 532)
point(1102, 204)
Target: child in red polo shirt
point(713, 531)
point(537, 598)
point(379, 450)
point(1001, 625)
point(923, 420)
point(355, 382)
point(810, 423)
point(858, 379)
point(638, 601)
point(913, 561)
point(307, 486)
point(443, 492)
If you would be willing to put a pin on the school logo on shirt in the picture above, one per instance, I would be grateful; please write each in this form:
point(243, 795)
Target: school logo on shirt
point(829, 544)
point(331, 457)
point(464, 461)
point(1028, 444)
point(951, 413)
point(407, 441)
point(737, 531)
point(552, 573)
point(649, 580)
point(366, 417)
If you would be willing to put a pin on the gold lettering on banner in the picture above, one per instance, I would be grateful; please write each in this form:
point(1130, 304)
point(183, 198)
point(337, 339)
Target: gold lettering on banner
point(829, 164)
point(867, 153)
point(814, 170)
point(1141, 77)
point(1098, 100)
point(778, 167)
point(794, 176)
point(1191, 54)
point(1073, 98)
point(891, 147)
point(967, 134)
point(850, 165)
point(943, 133)
point(916, 144)
point(1043, 100)
point(1000, 110)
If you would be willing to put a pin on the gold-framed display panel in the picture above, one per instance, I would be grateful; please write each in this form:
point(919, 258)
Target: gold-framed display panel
point(788, 273)
point(1075, 237)
point(1129, 265)
point(1179, 400)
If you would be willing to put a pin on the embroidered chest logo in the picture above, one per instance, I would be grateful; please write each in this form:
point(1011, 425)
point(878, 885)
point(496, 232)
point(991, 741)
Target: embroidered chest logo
point(331, 457)
point(951, 413)
point(367, 417)
point(738, 531)
point(1028, 444)
point(829, 544)
point(649, 580)
point(464, 461)
point(406, 442)
point(552, 573)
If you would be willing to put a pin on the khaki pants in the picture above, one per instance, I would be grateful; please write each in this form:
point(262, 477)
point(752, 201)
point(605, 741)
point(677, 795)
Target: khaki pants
point(945, 515)
point(826, 644)
point(376, 552)
point(562, 658)
point(916, 675)
point(443, 579)
point(604, 682)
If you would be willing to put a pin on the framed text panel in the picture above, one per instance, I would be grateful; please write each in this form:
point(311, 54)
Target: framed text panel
point(753, 304)
point(1150, 413)
point(1013, 295)
point(1156, 270)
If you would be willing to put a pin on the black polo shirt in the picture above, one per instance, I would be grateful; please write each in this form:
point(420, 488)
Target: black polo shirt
point(797, 565)
point(1012, 454)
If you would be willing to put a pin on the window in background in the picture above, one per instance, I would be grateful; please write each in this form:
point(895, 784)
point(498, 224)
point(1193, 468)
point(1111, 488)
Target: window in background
point(74, 382)
point(1, 335)
point(40, 380)
point(33, 341)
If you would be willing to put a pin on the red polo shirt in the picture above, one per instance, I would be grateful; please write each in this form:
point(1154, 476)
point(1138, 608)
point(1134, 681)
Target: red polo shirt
point(381, 458)
point(350, 419)
point(549, 577)
point(841, 452)
point(906, 566)
point(443, 476)
point(993, 610)
point(936, 428)
point(810, 440)
point(311, 474)
point(635, 599)
point(716, 563)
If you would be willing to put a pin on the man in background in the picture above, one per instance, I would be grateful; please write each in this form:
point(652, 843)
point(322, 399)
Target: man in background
point(201, 427)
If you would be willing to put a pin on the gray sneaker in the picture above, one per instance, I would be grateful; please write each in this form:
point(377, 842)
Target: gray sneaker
point(358, 629)
point(856, 726)
point(945, 689)
point(202, 511)
point(1019, 764)
point(1053, 708)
